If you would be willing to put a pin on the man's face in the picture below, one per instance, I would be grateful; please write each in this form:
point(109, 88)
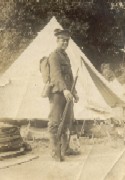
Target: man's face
point(62, 43)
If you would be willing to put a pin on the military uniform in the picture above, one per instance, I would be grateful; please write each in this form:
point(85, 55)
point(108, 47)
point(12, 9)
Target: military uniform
point(62, 79)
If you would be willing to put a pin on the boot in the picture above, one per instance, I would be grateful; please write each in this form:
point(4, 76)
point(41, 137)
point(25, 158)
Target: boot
point(65, 148)
point(65, 144)
point(55, 148)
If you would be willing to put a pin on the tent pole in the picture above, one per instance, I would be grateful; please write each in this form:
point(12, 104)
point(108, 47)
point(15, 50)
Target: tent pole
point(82, 129)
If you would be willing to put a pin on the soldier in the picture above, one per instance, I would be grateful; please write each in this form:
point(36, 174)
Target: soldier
point(62, 79)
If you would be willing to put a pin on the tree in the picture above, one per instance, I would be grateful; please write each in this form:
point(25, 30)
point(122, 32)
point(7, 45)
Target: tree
point(96, 26)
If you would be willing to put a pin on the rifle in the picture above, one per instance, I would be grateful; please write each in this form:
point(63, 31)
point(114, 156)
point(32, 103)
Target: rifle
point(63, 119)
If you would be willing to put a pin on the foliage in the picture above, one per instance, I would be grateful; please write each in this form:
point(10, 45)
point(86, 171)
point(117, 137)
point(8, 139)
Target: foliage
point(96, 26)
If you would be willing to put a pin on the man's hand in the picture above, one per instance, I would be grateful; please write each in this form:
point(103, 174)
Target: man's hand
point(68, 95)
point(76, 98)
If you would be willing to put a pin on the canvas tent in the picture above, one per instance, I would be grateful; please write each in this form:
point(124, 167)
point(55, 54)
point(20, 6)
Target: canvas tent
point(21, 84)
point(118, 112)
point(118, 88)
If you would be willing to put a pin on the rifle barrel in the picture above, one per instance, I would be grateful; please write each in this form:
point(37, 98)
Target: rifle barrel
point(60, 129)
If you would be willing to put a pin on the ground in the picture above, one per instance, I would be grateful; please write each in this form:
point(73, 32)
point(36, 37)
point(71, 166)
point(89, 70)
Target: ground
point(99, 159)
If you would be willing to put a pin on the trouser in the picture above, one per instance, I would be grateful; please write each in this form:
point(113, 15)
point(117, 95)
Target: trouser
point(57, 105)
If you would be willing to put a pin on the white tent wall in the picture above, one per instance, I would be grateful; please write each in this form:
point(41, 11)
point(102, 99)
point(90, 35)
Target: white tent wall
point(118, 88)
point(118, 112)
point(21, 97)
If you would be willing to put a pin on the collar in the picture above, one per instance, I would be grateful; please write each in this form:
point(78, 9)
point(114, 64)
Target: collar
point(60, 50)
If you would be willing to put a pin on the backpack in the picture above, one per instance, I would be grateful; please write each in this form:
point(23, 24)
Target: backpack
point(45, 69)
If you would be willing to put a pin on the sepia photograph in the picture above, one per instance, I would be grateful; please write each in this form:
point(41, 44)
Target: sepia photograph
point(62, 89)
